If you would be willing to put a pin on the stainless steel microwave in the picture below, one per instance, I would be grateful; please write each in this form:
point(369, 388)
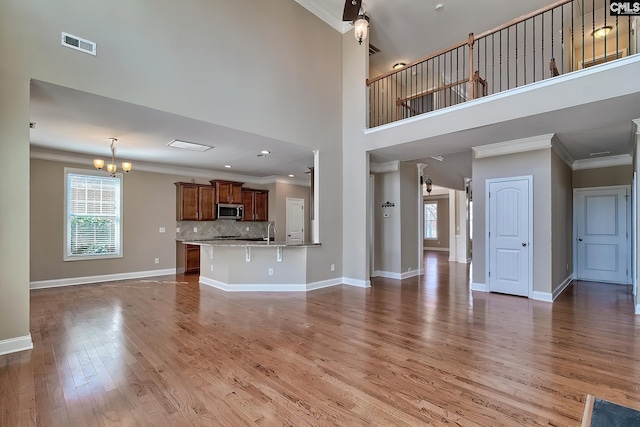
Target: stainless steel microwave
point(230, 211)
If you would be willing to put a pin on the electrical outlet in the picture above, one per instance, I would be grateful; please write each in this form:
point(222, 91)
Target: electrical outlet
point(333, 267)
point(271, 272)
point(157, 260)
point(162, 229)
point(195, 229)
point(247, 229)
point(177, 229)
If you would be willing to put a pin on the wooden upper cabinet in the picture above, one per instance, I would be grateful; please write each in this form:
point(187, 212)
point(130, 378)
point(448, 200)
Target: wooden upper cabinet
point(228, 191)
point(207, 202)
point(195, 202)
point(261, 207)
point(256, 204)
point(186, 201)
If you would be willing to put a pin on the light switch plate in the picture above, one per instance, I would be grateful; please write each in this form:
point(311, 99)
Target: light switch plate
point(162, 229)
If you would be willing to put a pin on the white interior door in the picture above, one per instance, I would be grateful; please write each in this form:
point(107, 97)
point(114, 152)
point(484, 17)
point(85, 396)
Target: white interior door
point(602, 241)
point(509, 219)
point(295, 221)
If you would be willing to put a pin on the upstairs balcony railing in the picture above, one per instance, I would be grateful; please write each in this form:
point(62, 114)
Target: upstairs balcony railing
point(565, 36)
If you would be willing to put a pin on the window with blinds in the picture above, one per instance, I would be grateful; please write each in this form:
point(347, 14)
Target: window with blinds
point(93, 210)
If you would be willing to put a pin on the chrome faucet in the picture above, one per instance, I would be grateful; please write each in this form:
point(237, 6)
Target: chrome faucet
point(268, 231)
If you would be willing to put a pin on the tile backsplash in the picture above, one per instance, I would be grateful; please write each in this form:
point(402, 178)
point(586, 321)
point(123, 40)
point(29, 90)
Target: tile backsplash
point(211, 229)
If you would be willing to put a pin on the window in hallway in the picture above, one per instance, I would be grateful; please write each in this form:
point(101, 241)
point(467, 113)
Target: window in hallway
point(431, 220)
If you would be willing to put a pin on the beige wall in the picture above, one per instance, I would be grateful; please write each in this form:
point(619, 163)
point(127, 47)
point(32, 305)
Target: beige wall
point(140, 60)
point(603, 177)
point(388, 230)
point(280, 194)
point(14, 209)
point(561, 221)
point(410, 209)
point(538, 164)
point(149, 203)
point(443, 222)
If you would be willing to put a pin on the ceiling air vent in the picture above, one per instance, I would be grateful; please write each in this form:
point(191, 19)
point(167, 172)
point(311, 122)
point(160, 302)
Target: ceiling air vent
point(78, 43)
point(373, 50)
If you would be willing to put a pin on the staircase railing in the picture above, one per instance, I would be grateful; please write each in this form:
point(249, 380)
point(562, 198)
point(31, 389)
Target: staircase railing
point(565, 36)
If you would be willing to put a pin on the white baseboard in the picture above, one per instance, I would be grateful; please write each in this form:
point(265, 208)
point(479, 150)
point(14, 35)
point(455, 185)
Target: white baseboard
point(356, 282)
point(410, 273)
point(480, 287)
point(463, 260)
point(13, 345)
point(41, 284)
point(428, 248)
point(269, 287)
point(452, 258)
point(542, 296)
point(565, 283)
point(397, 276)
point(324, 284)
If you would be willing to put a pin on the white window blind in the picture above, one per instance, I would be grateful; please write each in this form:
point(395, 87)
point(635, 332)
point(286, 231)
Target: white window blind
point(431, 220)
point(93, 210)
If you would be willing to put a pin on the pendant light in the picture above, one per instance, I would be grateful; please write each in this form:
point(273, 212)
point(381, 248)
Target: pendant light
point(112, 167)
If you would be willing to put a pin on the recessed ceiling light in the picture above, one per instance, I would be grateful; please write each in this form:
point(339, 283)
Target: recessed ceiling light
point(599, 153)
point(265, 152)
point(189, 145)
point(227, 166)
point(439, 7)
point(290, 175)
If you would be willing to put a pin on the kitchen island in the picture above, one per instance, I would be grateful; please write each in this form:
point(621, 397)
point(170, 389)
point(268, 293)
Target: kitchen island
point(241, 265)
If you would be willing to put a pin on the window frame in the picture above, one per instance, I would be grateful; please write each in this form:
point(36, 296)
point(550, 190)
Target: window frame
point(424, 218)
point(66, 235)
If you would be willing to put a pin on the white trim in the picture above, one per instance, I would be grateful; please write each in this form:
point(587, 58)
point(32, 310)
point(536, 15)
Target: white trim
point(324, 284)
point(13, 345)
point(603, 162)
point(269, 287)
point(396, 276)
point(326, 16)
point(428, 248)
point(563, 285)
point(637, 308)
point(391, 166)
point(463, 260)
point(479, 287)
point(631, 59)
point(515, 146)
point(356, 282)
point(561, 151)
point(76, 158)
point(42, 284)
point(542, 296)
point(636, 122)
point(410, 273)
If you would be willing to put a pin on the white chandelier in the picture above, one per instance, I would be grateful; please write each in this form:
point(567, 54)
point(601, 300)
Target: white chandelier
point(112, 167)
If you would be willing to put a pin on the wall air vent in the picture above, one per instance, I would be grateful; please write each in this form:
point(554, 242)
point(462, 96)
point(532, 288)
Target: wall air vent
point(78, 43)
point(373, 50)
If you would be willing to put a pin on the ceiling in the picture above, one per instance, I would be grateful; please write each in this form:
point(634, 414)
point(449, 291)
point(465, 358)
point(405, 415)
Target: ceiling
point(78, 122)
point(407, 30)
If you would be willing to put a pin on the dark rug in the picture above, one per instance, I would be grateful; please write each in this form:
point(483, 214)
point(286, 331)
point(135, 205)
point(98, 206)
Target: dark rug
point(607, 414)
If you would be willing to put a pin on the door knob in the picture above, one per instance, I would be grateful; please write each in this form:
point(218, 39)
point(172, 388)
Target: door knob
point(580, 240)
point(524, 244)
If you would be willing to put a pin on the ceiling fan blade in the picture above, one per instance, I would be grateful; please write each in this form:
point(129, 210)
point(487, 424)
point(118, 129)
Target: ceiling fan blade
point(351, 10)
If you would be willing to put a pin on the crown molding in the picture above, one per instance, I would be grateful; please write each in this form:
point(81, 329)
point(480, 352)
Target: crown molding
point(562, 152)
point(326, 16)
point(391, 166)
point(512, 147)
point(68, 157)
point(603, 162)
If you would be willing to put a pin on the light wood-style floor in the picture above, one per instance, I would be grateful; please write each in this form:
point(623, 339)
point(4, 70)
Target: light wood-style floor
point(423, 351)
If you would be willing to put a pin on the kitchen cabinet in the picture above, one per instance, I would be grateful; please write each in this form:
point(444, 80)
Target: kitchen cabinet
point(195, 202)
point(227, 191)
point(256, 204)
point(187, 258)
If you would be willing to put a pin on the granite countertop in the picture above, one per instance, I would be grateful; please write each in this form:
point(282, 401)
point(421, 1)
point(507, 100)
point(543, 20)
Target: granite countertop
point(245, 243)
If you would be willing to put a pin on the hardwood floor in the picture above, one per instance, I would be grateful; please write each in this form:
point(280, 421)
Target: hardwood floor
point(423, 351)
